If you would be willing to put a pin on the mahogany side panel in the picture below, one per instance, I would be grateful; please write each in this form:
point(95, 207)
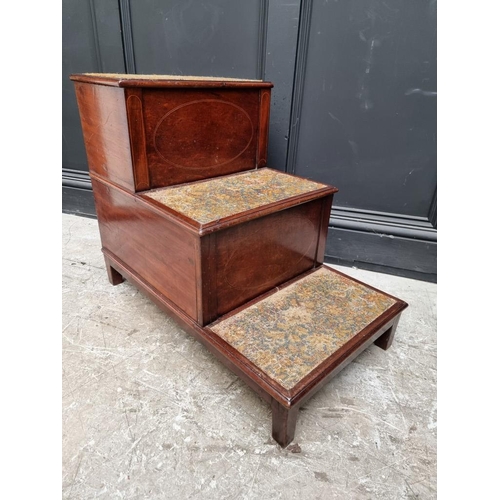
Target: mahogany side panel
point(161, 252)
point(254, 257)
point(105, 132)
point(198, 133)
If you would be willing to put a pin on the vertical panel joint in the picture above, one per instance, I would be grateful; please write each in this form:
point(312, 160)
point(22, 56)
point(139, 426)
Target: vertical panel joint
point(298, 83)
point(127, 38)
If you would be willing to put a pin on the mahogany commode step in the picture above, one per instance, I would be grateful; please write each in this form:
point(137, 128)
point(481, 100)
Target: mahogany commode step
point(189, 212)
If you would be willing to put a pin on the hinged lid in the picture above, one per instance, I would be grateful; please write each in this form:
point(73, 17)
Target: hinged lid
point(128, 80)
point(180, 128)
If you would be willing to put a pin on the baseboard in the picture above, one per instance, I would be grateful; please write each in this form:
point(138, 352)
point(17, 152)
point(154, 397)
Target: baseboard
point(78, 201)
point(407, 257)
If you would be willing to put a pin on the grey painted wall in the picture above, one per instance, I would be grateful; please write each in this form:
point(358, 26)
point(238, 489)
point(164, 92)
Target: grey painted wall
point(354, 103)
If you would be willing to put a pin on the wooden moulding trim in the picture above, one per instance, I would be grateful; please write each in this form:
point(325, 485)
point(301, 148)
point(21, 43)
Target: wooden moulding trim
point(265, 99)
point(137, 138)
point(304, 28)
point(225, 353)
point(114, 81)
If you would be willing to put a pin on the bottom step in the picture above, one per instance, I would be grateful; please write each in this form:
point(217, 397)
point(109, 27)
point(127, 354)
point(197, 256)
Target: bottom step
point(295, 337)
point(288, 343)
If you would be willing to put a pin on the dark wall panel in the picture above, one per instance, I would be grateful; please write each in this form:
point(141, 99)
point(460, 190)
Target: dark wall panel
point(91, 42)
point(187, 37)
point(281, 48)
point(231, 38)
point(368, 115)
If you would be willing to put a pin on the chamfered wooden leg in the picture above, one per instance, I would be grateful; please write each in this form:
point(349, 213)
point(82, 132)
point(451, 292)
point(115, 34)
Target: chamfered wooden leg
point(115, 278)
point(284, 421)
point(385, 340)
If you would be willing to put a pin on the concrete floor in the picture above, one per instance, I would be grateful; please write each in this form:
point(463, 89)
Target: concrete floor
point(148, 413)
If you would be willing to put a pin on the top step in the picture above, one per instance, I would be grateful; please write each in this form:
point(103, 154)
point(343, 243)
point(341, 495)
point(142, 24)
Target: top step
point(228, 200)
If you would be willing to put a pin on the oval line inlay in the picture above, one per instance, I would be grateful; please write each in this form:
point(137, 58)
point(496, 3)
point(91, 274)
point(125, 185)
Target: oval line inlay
point(157, 136)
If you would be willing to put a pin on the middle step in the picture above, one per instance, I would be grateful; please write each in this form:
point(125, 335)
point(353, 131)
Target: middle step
point(226, 240)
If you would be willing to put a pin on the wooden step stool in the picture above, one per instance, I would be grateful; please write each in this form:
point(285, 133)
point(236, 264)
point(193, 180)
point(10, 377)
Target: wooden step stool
point(190, 214)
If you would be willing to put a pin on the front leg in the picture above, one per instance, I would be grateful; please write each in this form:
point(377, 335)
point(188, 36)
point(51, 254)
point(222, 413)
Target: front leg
point(284, 421)
point(385, 340)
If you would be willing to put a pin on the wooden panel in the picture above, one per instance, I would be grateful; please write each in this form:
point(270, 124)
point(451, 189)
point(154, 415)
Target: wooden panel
point(196, 134)
point(364, 123)
point(161, 252)
point(105, 131)
point(256, 256)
